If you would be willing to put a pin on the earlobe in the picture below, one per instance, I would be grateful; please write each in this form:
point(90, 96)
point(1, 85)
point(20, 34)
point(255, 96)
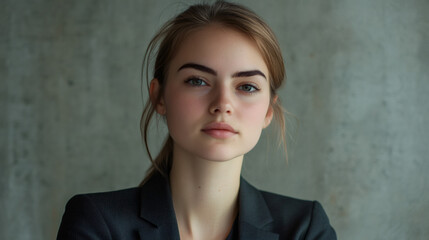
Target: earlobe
point(157, 101)
point(268, 117)
point(270, 113)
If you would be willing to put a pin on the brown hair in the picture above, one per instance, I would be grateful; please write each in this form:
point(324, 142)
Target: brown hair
point(167, 40)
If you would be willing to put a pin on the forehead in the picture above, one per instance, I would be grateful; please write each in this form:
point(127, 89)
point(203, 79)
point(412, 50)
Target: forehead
point(222, 48)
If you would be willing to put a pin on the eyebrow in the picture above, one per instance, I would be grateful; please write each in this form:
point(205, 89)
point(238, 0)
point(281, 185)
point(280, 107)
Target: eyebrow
point(249, 74)
point(213, 72)
point(198, 67)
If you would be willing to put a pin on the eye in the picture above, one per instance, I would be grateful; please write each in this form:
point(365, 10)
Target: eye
point(195, 81)
point(248, 88)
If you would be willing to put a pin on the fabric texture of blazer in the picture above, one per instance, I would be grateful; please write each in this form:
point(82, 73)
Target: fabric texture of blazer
point(147, 213)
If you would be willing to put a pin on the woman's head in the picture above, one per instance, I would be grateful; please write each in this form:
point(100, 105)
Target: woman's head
point(225, 18)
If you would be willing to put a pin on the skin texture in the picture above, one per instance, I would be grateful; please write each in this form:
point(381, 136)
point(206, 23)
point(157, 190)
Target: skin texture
point(189, 108)
point(232, 88)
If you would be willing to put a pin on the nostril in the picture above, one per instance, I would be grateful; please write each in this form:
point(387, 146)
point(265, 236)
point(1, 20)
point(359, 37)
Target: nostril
point(220, 109)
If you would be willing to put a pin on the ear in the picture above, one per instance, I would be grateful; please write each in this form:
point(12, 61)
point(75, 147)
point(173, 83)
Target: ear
point(270, 113)
point(157, 101)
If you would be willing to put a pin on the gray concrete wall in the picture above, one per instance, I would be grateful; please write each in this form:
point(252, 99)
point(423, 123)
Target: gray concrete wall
point(357, 83)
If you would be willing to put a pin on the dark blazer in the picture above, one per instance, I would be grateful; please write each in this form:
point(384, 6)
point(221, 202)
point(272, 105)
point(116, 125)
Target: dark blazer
point(147, 213)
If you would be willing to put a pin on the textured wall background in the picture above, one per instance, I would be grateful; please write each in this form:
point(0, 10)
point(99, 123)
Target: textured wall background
point(357, 82)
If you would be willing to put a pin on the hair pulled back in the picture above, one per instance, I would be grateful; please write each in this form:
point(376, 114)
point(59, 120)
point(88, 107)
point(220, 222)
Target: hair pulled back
point(168, 39)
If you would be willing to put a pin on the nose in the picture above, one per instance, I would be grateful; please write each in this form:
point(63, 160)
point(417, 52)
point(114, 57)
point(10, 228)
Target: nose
point(221, 101)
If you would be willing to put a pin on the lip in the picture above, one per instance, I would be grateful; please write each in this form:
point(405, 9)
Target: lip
point(219, 130)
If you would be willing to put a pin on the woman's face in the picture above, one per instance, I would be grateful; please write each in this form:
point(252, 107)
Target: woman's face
point(217, 95)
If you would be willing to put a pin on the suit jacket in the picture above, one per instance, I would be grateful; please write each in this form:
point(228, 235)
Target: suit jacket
point(147, 213)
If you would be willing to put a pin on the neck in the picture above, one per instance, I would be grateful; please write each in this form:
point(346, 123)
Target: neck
point(205, 195)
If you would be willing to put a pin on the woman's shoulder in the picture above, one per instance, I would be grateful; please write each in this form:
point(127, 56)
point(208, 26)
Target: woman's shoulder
point(127, 194)
point(110, 204)
point(106, 200)
point(278, 202)
point(100, 200)
point(303, 216)
point(102, 214)
point(302, 219)
point(282, 205)
point(285, 207)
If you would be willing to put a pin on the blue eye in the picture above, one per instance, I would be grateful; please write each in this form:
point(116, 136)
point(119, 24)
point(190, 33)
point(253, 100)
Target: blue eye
point(248, 88)
point(196, 81)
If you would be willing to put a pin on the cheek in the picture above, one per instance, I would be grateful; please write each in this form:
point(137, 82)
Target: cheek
point(181, 108)
point(254, 114)
point(253, 119)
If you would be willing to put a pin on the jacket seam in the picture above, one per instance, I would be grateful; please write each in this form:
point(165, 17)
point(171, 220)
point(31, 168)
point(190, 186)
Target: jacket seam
point(101, 215)
point(311, 220)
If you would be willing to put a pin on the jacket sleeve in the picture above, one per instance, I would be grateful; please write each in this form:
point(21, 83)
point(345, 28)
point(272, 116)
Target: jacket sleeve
point(82, 220)
point(319, 227)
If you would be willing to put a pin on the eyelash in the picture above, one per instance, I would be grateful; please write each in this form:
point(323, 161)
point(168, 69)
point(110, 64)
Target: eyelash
point(191, 81)
point(202, 83)
point(255, 88)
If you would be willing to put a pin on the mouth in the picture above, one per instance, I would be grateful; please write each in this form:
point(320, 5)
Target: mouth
point(219, 130)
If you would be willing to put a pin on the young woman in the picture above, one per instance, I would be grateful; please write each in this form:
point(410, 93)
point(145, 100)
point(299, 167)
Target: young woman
point(216, 73)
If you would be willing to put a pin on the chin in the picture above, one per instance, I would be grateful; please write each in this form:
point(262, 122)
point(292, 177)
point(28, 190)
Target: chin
point(223, 152)
point(221, 159)
point(220, 156)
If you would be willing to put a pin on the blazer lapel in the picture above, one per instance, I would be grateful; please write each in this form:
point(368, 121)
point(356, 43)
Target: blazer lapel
point(157, 209)
point(254, 215)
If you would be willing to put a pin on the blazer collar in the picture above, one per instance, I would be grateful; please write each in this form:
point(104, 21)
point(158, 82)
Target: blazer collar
point(254, 214)
point(157, 209)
